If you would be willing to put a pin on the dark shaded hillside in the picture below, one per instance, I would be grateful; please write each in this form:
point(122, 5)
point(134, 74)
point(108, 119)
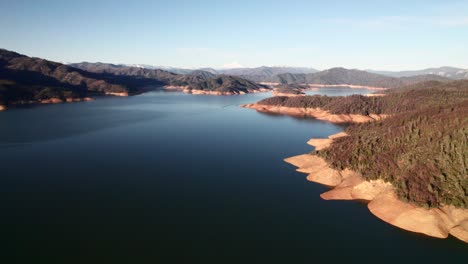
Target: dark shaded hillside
point(24, 79)
point(337, 76)
point(24, 86)
point(14, 65)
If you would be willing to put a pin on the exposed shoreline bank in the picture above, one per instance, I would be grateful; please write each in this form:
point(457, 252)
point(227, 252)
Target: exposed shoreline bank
point(382, 198)
point(315, 113)
point(53, 100)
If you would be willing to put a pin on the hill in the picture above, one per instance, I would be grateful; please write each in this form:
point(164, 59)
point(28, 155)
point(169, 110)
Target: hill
point(225, 84)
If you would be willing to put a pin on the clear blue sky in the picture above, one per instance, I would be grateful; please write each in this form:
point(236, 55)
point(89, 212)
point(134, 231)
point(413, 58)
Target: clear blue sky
point(385, 35)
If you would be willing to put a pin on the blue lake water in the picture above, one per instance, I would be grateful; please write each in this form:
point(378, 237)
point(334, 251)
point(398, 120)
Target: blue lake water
point(170, 177)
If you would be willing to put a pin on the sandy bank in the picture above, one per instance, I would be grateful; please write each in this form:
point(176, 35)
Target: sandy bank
point(315, 113)
point(175, 88)
point(56, 100)
point(117, 94)
point(53, 100)
point(383, 202)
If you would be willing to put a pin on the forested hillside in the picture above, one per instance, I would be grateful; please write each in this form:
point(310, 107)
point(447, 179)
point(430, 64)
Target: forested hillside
point(422, 148)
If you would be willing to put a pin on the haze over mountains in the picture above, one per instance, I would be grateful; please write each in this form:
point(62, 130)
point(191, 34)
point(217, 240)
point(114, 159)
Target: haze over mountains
point(297, 74)
point(449, 72)
point(264, 72)
point(257, 74)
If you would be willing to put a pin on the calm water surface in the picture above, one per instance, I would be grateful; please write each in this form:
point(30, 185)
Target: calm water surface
point(169, 177)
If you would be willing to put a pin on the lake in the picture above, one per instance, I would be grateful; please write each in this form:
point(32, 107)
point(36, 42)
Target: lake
point(169, 177)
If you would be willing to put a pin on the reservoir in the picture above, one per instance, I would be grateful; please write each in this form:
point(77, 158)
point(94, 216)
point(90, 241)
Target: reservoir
point(167, 177)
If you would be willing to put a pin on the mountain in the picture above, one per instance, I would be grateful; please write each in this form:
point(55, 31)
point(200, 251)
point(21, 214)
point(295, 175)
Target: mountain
point(448, 72)
point(191, 78)
point(122, 70)
point(203, 73)
point(335, 76)
point(158, 75)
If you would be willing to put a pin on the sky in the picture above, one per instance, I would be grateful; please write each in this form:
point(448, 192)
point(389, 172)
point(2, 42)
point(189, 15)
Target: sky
point(380, 35)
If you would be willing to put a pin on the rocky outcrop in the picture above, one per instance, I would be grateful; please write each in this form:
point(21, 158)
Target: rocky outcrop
point(383, 201)
point(315, 113)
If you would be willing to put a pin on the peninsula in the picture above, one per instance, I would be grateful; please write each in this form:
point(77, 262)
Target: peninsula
point(405, 152)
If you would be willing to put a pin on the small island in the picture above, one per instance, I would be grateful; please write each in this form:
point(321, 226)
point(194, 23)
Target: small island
point(404, 152)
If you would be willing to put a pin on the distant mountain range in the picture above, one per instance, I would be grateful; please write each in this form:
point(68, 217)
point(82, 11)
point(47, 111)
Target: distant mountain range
point(258, 74)
point(337, 76)
point(448, 72)
point(25, 79)
point(291, 74)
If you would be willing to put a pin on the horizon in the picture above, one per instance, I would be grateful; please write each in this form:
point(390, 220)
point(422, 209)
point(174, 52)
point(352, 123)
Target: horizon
point(383, 36)
point(164, 67)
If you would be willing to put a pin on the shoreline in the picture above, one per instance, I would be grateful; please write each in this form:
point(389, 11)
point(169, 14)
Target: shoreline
point(381, 197)
point(53, 100)
point(316, 113)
